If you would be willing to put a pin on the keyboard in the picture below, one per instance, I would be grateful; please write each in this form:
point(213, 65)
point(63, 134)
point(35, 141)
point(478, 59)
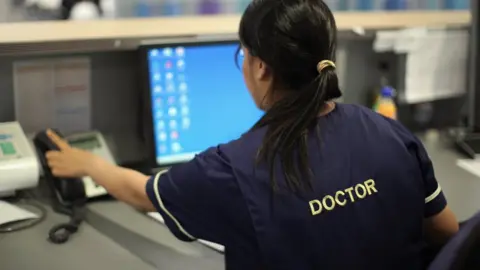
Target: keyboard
point(156, 216)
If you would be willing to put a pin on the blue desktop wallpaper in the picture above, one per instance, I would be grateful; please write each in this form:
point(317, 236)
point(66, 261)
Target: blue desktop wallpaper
point(199, 99)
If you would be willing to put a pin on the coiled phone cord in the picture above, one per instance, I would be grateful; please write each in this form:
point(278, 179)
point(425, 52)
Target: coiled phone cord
point(61, 233)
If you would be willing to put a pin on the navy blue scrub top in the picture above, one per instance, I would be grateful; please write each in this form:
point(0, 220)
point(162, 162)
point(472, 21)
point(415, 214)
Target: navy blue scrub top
point(373, 184)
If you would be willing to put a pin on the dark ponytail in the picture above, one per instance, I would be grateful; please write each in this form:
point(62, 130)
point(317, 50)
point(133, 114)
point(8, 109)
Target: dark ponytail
point(288, 124)
point(292, 37)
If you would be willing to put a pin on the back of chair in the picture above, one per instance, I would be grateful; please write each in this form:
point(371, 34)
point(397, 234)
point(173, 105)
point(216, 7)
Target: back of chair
point(462, 252)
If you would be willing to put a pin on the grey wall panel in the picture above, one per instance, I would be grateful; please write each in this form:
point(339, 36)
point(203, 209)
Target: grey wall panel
point(361, 73)
point(116, 92)
point(6, 90)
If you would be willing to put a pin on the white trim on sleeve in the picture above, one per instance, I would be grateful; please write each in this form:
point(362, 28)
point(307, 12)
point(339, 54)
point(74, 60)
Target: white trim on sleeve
point(434, 194)
point(160, 203)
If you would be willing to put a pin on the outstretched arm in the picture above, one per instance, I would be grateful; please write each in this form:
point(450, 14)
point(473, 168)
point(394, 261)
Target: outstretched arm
point(124, 184)
point(198, 199)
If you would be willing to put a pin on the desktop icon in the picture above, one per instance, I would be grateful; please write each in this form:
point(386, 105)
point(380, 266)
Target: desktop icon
point(157, 89)
point(168, 64)
point(173, 124)
point(180, 51)
point(183, 99)
point(171, 100)
point(167, 52)
point(174, 135)
point(158, 102)
point(169, 76)
point(185, 123)
point(170, 87)
point(162, 149)
point(159, 114)
point(157, 77)
point(172, 111)
point(160, 125)
point(176, 147)
point(183, 87)
point(154, 52)
point(162, 136)
point(181, 65)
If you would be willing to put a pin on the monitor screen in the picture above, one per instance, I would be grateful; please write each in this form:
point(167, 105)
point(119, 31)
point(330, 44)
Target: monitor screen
point(198, 99)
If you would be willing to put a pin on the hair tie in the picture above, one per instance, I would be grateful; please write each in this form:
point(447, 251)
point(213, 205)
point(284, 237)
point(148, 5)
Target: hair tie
point(324, 64)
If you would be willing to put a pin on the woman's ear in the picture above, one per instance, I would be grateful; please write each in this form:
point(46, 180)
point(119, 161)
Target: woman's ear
point(263, 72)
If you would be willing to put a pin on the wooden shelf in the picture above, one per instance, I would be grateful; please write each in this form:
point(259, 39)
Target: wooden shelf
point(62, 31)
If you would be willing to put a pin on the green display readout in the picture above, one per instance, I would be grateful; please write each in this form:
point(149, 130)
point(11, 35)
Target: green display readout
point(87, 143)
point(7, 148)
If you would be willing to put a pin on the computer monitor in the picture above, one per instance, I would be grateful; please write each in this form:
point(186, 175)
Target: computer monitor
point(196, 99)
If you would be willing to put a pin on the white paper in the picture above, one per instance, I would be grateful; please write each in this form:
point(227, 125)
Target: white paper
point(406, 40)
point(385, 41)
point(11, 213)
point(436, 66)
point(212, 245)
point(399, 41)
point(53, 93)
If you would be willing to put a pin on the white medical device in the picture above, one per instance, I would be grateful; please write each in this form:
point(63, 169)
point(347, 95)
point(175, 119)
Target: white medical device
point(95, 143)
point(19, 168)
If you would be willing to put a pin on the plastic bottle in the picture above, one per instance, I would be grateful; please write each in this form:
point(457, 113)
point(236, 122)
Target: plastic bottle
point(385, 104)
point(375, 93)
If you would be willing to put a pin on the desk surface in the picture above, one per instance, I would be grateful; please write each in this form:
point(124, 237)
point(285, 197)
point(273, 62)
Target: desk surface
point(118, 237)
point(114, 237)
point(88, 249)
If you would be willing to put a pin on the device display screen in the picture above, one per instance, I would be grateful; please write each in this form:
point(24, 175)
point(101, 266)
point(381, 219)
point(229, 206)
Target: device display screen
point(86, 143)
point(198, 99)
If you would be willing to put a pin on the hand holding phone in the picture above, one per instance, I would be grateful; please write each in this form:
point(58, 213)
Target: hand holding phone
point(68, 161)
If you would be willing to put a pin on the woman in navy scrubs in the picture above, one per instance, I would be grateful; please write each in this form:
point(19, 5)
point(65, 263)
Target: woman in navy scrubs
point(313, 185)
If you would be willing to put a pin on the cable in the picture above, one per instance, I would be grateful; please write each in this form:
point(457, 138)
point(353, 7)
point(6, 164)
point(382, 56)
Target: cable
point(61, 233)
point(23, 225)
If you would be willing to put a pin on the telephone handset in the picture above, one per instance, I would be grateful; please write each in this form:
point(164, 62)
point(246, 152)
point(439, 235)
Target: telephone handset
point(67, 195)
